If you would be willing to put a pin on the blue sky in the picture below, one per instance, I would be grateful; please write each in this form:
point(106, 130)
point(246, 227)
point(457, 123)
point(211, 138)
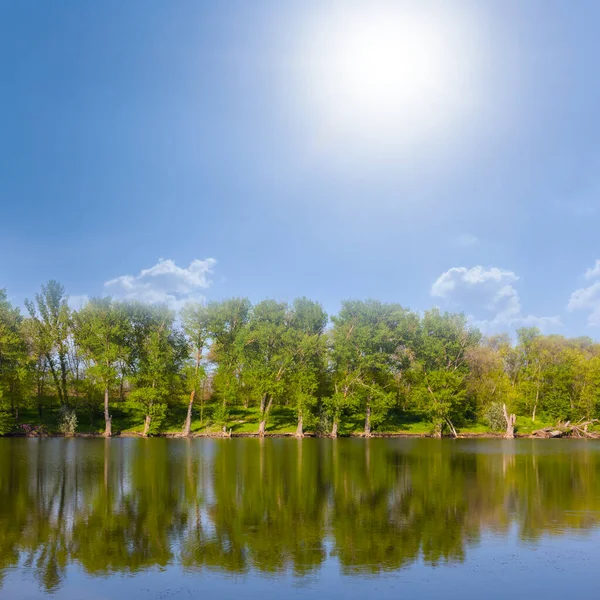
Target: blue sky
point(456, 166)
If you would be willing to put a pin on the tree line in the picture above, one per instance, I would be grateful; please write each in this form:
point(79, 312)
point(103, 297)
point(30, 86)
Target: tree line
point(370, 363)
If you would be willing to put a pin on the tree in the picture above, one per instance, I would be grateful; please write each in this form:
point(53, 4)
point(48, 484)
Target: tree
point(528, 368)
point(38, 362)
point(442, 367)
point(269, 354)
point(102, 330)
point(488, 381)
point(13, 360)
point(160, 358)
point(51, 315)
point(195, 320)
point(369, 355)
point(227, 320)
point(307, 322)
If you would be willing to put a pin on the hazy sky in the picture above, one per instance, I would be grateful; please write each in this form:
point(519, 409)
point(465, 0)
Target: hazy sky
point(429, 153)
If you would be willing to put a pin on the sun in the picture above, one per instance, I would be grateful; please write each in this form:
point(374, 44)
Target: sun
point(386, 72)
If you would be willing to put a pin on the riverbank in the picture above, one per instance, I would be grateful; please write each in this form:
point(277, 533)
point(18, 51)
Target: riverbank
point(308, 435)
point(128, 421)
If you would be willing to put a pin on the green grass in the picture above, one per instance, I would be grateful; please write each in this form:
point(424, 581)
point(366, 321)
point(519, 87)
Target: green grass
point(128, 418)
point(524, 425)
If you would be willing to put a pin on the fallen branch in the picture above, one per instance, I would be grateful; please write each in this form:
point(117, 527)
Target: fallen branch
point(567, 429)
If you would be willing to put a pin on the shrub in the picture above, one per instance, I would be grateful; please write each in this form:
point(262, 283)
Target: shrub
point(494, 416)
point(158, 412)
point(67, 420)
point(7, 422)
point(220, 415)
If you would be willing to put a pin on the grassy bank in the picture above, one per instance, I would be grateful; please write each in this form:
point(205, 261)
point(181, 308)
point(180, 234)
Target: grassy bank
point(128, 419)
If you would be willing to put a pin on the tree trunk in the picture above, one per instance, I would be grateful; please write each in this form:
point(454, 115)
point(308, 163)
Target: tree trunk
point(63, 378)
point(188, 420)
point(261, 428)
point(537, 397)
point(265, 407)
point(510, 423)
point(107, 417)
point(334, 429)
point(300, 428)
point(147, 425)
point(452, 428)
point(55, 378)
point(437, 430)
point(367, 432)
point(202, 398)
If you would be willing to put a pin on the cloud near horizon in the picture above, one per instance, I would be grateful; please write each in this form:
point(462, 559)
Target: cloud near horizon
point(588, 298)
point(165, 282)
point(490, 291)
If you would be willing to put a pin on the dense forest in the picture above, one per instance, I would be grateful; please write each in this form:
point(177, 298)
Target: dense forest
point(122, 366)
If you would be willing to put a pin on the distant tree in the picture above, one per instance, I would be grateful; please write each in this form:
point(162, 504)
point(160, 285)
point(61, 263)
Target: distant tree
point(268, 354)
point(227, 321)
point(307, 323)
point(102, 330)
point(370, 356)
point(442, 367)
point(195, 320)
point(156, 379)
point(13, 360)
point(51, 317)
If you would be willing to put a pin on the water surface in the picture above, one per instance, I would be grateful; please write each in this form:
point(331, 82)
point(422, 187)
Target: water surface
point(131, 518)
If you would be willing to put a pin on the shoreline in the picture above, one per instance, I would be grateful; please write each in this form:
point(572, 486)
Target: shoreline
point(219, 435)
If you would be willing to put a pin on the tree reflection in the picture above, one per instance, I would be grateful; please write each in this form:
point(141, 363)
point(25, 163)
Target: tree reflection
point(278, 506)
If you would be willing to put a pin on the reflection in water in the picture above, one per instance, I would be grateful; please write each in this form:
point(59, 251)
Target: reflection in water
point(280, 506)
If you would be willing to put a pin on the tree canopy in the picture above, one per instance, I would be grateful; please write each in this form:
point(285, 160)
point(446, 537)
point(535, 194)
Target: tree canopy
point(373, 366)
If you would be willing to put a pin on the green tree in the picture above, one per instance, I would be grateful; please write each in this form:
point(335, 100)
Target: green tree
point(13, 362)
point(102, 330)
point(269, 354)
point(307, 322)
point(156, 375)
point(195, 320)
point(51, 315)
point(227, 320)
point(370, 343)
point(442, 367)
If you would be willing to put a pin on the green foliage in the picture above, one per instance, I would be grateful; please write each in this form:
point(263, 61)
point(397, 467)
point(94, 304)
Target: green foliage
point(50, 325)
point(378, 366)
point(220, 415)
point(67, 420)
point(494, 416)
point(7, 421)
point(158, 414)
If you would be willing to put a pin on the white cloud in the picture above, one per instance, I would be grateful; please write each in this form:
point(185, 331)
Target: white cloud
point(466, 239)
point(165, 282)
point(588, 298)
point(594, 271)
point(490, 291)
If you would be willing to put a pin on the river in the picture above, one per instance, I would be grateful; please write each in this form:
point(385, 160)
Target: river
point(91, 519)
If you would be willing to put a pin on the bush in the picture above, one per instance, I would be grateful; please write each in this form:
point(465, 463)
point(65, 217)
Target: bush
point(220, 415)
point(7, 422)
point(494, 416)
point(158, 412)
point(67, 423)
point(30, 429)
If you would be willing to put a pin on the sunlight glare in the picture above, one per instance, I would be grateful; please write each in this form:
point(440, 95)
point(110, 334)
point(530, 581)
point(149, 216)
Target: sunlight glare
point(386, 73)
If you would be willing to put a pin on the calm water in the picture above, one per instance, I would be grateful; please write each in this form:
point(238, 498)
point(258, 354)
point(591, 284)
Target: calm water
point(130, 518)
